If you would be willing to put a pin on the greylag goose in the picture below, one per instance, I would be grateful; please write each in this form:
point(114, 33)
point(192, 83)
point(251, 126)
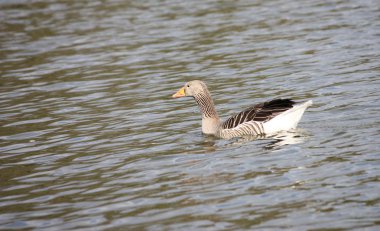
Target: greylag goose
point(262, 119)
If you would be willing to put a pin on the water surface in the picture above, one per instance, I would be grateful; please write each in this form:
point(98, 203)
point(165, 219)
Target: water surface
point(91, 140)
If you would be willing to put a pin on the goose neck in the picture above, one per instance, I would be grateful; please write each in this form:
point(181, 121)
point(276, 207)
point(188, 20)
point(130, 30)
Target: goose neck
point(206, 105)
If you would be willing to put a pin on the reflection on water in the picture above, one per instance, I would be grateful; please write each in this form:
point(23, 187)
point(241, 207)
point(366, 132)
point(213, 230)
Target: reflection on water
point(287, 138)
point(90, 139)
point(275, 141)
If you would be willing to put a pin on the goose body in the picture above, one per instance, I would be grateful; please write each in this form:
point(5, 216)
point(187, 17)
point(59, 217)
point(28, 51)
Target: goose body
point(262, 119)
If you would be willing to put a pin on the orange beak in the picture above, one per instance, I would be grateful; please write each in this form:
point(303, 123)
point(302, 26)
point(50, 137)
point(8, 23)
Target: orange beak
point(180, 93)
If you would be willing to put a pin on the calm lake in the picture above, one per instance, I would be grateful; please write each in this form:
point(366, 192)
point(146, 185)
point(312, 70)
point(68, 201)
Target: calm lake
point(90, 138)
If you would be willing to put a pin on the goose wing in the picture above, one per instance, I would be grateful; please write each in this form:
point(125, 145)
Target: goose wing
point(261, 112)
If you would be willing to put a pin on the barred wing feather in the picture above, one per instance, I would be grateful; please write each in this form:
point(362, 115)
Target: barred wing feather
point(260, 113)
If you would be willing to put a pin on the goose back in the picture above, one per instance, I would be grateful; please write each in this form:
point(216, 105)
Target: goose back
point(260, 113)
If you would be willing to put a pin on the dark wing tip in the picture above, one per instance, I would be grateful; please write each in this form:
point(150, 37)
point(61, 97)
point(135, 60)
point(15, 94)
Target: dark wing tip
point(279, 103)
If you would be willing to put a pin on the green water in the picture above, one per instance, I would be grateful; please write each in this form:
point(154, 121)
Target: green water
point(91, 140)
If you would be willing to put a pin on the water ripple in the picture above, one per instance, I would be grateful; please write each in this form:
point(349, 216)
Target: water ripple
point(90, 138)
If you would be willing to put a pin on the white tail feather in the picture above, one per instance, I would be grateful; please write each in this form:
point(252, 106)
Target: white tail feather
point(288, 119)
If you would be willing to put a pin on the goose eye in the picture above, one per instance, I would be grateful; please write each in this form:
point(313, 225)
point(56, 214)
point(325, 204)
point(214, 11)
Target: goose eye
point(188, 85)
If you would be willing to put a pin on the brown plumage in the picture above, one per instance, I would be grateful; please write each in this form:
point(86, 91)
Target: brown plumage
point(261, 112)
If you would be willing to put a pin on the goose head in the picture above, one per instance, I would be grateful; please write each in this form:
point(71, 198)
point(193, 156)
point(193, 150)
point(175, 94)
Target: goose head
point(191, 89)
